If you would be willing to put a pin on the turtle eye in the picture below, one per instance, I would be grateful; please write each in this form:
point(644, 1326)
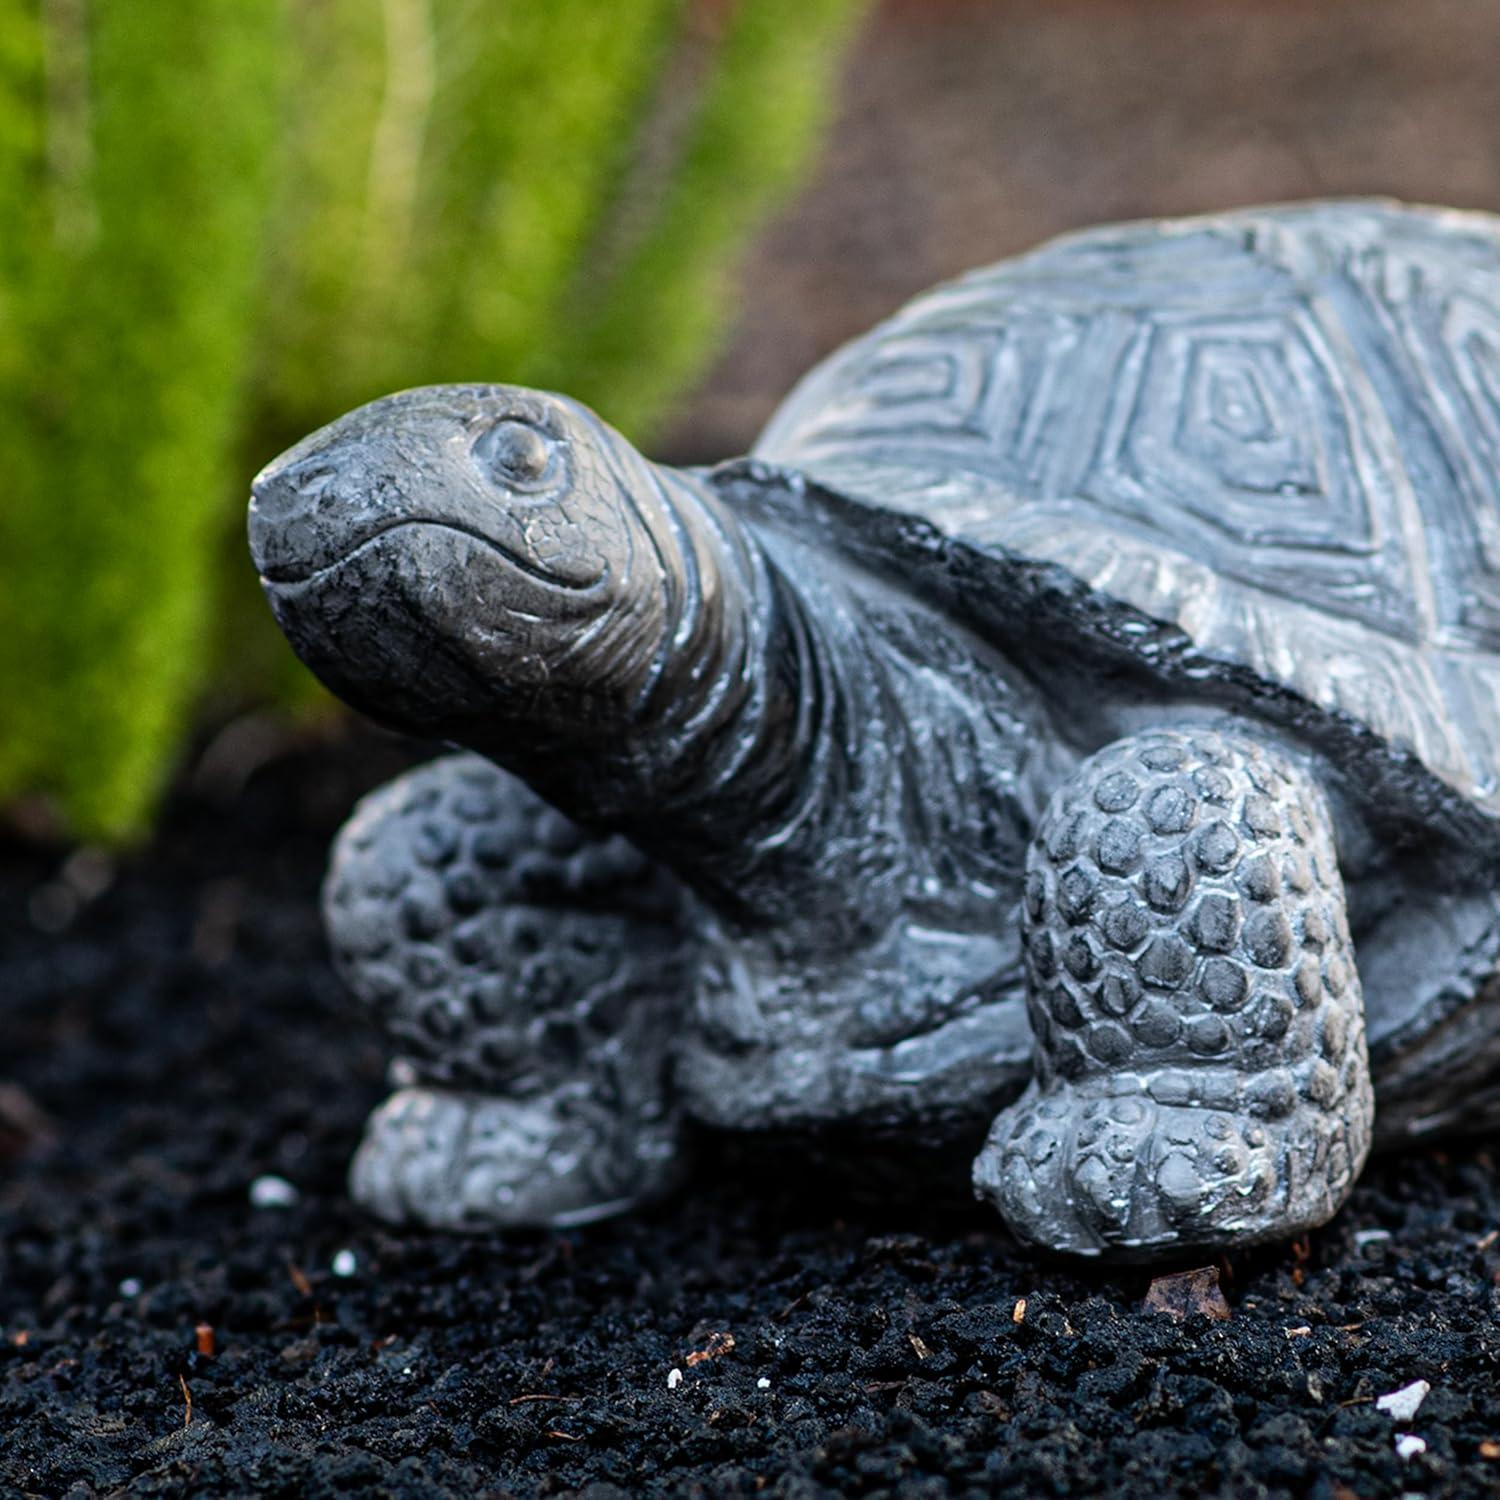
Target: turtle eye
point(517, 455)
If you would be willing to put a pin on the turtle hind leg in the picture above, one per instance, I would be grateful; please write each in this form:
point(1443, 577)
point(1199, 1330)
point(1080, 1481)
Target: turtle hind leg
point(531, 977)
point(1200, 1068)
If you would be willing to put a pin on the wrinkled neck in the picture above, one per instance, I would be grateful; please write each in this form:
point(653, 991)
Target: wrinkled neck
point(797, 739)
point(715, 681)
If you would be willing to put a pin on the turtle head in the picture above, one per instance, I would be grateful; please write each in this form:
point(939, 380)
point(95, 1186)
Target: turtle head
point(460, 560)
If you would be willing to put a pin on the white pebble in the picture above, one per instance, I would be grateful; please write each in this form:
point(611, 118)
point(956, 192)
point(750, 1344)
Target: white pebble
point(1402, 1405)
point(345, 1263)
point(130, 1287)
point(272, 1192)
point(1408, 1445)
point(674, 1379)
point(763, 1384)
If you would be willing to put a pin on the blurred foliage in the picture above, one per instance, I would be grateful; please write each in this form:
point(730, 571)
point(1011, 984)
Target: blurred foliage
point(135, 147)
point(226, 221)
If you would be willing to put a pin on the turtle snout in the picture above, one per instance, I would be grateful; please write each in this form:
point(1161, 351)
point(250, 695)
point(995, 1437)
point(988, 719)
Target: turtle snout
point(284, 505)
point(309, 512)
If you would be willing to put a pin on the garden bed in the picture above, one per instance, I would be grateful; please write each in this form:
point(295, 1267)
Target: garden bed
point(173, 1035)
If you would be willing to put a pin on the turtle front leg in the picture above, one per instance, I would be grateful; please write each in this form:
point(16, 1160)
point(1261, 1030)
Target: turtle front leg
point(531, 977)
point(1201, 1075)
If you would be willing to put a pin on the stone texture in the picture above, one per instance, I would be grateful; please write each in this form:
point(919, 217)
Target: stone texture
point(1221, 1093)
point(1212, 493)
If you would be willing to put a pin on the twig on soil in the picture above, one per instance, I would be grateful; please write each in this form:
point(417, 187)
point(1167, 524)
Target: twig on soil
point(718, 1343)
point(305, 1288)
point(187, 1401)
point(1301, 1253)
point(794, 1304)
point(519, 1400)
point(24, 1125)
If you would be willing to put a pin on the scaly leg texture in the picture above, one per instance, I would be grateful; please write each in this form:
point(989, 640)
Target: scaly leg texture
point(1201, 1075)
point(531, 977)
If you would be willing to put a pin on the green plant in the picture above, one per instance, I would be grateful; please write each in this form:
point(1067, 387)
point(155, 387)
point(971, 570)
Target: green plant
point(634, 335)
point(548, 194)
point(135, 147)
point(228, 220)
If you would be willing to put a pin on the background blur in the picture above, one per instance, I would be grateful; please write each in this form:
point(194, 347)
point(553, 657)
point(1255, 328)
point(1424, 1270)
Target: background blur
point(222, 222)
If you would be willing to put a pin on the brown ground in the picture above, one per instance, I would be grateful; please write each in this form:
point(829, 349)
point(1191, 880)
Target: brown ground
point(971, 129)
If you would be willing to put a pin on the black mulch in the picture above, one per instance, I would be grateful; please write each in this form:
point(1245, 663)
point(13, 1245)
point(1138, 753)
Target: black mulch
point(182, 1036)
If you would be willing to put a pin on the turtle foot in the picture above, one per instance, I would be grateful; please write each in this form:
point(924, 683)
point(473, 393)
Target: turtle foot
point(465, 1161)
point(1201, 1070)
point(531, 976)
point(1086, 1172)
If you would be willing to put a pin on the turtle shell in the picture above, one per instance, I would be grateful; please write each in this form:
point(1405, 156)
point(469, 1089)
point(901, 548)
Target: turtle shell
point(1263, 447)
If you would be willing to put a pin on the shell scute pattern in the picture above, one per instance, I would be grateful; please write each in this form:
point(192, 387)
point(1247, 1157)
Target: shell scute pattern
point(1278, 431)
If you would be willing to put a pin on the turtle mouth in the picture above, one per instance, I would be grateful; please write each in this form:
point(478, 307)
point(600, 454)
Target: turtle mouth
point(286, 573)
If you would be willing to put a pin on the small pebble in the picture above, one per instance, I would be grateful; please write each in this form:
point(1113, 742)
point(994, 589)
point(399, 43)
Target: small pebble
point(130, 1287)
point(1409, 1445)
point(763, 1384)
point(345, 1263)
point(1365, 1237)
point(272, 1192)
point(1183, 1292)
point(674, 1379)
point(1402, 1405)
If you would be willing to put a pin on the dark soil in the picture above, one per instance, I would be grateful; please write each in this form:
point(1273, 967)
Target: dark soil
point(182, 1035)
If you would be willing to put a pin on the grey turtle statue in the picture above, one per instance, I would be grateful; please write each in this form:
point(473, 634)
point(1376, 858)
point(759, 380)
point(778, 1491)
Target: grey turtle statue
point(1079, 718)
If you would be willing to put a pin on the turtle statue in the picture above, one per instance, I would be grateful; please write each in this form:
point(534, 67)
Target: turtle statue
point(1078, 719)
